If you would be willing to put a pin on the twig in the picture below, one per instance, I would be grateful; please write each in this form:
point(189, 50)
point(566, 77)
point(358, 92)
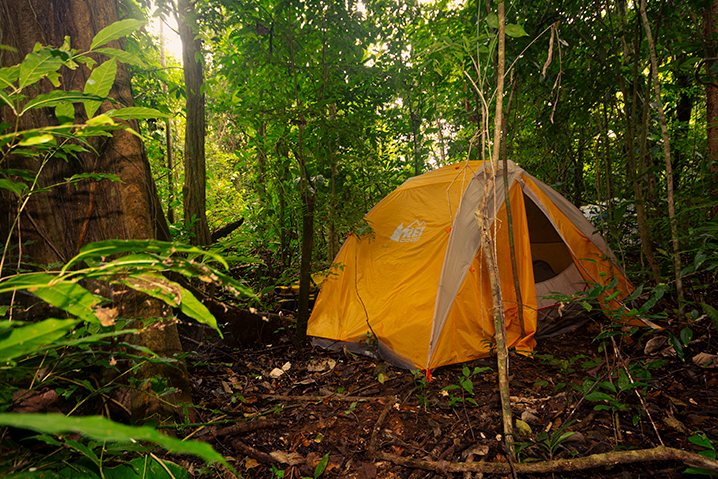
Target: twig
point(659, 453)
point(379, 422)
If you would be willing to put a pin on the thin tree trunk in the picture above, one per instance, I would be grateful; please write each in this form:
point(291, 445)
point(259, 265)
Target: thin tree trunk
point(710, 25)
point(168, 137)
point(509, 215)
point(489, 243)
point(667, 153)
point(634, 170)
point(195, 175)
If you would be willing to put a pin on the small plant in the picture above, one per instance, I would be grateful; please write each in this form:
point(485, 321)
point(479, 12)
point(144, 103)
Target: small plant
point(421, 384)
point(565, 366)
point(700, 439)
point(544, 445)
point(465, 386)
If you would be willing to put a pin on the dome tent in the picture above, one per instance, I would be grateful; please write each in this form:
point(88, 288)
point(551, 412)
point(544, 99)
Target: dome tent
point(419, 282)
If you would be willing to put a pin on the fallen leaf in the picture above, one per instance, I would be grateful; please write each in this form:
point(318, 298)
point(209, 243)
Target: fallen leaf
point(291, 458)
point(276, 372)
point(654, 344)
point(706, 360)
point(323, 365)
point(106, 315)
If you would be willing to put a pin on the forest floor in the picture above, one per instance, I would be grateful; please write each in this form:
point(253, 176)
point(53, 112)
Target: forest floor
point(274, 412)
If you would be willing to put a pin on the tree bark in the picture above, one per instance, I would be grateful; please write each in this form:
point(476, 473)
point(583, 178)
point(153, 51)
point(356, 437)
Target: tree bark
point(57, 223)
point(710, 27)
point(195, 174)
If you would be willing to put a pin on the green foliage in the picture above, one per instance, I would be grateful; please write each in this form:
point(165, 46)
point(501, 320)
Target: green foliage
point(701, 440)
point(465, 386)
point(543, 445)
point(65, 356)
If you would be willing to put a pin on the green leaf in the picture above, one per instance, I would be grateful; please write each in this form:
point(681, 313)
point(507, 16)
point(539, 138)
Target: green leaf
point(686, 336)
point(136, 113)
point(122, 56)
point(35, 140)
point(5, 99)
point(8, 76)
point(677, 346)
point(36, 66)
point(105, 248)
point(712, 313)
point(492, 20)
point(16, 187)
point(101, 429)
point(59, 97)
point(322, 466)
point(65, 113)
point(70, 297)
point(598, 396)
point(515, 31)
point(100, 83)
point(93, 176)
point(32, 338)
point(146, 467)
point(115, 31)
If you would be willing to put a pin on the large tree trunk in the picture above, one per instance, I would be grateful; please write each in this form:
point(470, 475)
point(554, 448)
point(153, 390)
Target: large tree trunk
point(195, 175)
point(57, 223)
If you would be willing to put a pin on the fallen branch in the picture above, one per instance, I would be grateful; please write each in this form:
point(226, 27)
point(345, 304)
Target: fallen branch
point(329, 397)
point(659, 453)
point(377, 427)
point(249, 426)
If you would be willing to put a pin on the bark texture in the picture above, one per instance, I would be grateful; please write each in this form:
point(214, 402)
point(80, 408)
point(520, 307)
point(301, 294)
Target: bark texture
point(60, 222)
point(57, 223)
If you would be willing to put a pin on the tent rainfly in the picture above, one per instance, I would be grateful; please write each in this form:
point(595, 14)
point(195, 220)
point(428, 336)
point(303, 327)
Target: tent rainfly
point(417, 288)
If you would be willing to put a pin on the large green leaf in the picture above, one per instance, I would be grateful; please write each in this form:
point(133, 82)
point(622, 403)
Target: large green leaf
point(123, 56)
point(32, 338)
point(37, 65)
point(136, 113)
point(16, 187)
point(171, 293)
point(9, 75)
point(145, 467)
point(5, 100)
point(59, 97)
point(101, 429)
point(66, 295)
point(115, 31)
point(102, 249)
point(100, 83)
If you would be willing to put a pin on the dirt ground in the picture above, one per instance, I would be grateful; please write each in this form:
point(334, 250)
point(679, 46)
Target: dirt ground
point(273, 412)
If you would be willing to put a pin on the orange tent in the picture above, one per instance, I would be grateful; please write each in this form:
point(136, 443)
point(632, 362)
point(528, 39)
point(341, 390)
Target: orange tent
point(417, 290)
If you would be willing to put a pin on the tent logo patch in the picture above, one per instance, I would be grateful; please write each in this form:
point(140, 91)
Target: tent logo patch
point(410, 234)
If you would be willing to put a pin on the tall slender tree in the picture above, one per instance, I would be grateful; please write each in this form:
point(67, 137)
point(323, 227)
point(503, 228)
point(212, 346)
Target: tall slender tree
point(195, 174)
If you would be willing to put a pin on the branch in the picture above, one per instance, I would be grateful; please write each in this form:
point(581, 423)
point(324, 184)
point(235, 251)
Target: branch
point(659, 453)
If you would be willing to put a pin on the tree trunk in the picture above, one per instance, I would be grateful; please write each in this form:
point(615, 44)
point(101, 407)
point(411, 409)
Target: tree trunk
point(57, 223)
point(667, 153)
point(710, 27)
point(195, 175)
point(168, 137)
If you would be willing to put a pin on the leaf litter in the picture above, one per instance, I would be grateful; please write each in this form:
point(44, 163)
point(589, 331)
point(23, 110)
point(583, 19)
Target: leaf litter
point(274, 412)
